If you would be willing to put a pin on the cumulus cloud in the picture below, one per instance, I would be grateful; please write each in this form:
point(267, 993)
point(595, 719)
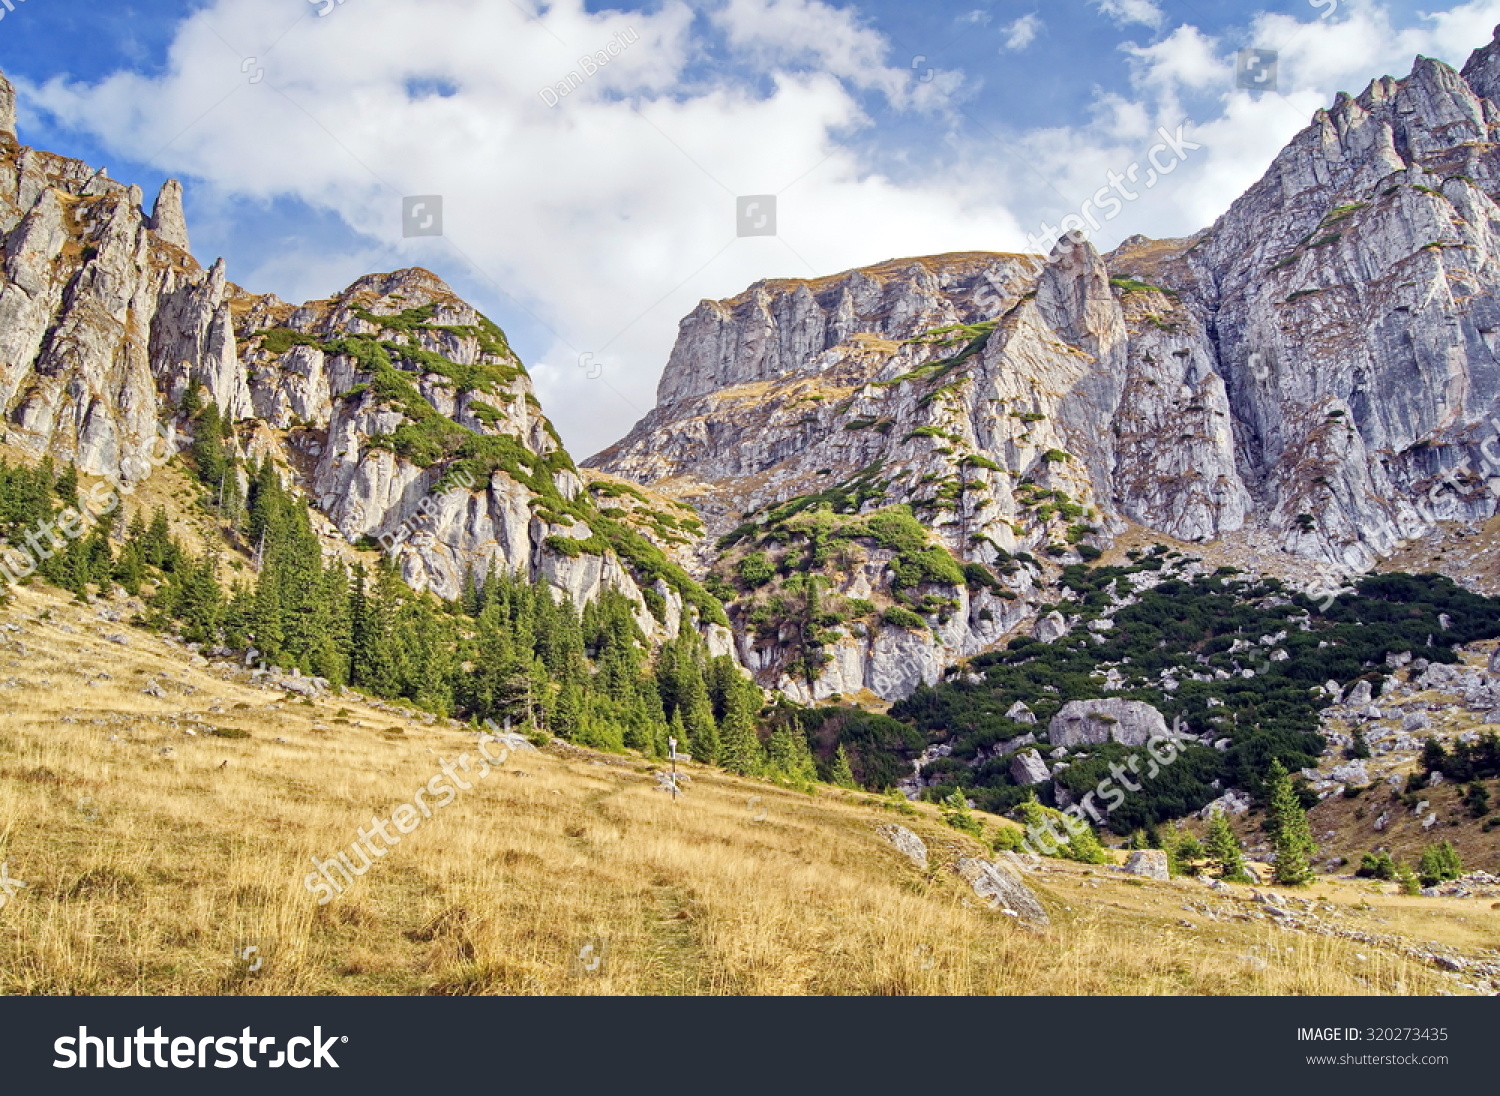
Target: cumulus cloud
point(1022, 32)
point(1126, 12)
point(596, 222)
point(593, 225)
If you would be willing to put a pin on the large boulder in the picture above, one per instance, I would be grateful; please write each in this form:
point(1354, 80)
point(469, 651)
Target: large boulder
point(1027, 767)
point(1011, 745)
point(1231, 802)
point(1150, 863)
point(1002, 888)
point(907, 843)
point(1050, 627)
point(1093, 722)
point(1359, 696)
point(1020, 713)
point(1351, 772)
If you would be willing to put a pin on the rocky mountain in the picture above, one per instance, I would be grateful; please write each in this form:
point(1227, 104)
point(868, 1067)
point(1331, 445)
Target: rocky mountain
point(1315, 374)
point(394, 406)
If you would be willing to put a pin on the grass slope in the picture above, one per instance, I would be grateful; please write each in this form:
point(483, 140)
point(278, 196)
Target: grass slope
point(153, 856)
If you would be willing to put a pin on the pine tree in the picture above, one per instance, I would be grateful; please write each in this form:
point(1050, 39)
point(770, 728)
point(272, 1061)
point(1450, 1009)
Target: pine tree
point(788, 756)
point(1084, 846)
point(1291, 836)
point(958, 814)
point(1224, 849)
point(739, 746)
point(841, 773)
point(1439, 864)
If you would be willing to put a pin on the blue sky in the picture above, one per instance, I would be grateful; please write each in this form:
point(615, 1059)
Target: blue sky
point(589, 225)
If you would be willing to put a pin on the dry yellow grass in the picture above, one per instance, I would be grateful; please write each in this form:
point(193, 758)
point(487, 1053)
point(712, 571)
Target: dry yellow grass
point(149, 873)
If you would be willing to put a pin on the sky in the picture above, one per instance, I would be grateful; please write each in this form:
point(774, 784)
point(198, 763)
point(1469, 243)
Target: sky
point(593, 161)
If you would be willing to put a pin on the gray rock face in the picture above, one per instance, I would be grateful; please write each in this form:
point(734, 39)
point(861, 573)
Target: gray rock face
point(7, 108)
point(1148, 863)
point(1312, 367)
point(1092, 722)
point(907, 843)
point(107, 321)
point(1050, 627)
point(168, 220)
point(1231, 802)
point(1020, 713)
point(1494, 662)
point(1027, 767)
point(1360, 695)
point(1353, 773)
point(1003, 889)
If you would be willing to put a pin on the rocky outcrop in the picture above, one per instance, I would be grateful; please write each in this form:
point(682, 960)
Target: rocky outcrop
point(394, 406)
point(906, 843)
point(1027, 768)
point(1094, 722)
point(1318, 369)
point(168, 220)
point(1003, 889)
point(1148, 863)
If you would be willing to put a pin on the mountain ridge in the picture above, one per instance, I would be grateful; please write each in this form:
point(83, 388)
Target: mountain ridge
point(1315, 371)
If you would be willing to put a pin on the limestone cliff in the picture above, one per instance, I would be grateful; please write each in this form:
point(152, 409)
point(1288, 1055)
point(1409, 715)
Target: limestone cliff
point(396, 408)
point(1317, 369)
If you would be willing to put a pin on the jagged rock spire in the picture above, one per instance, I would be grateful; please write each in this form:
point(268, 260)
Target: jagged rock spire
point(7, 107)
point(167, 218)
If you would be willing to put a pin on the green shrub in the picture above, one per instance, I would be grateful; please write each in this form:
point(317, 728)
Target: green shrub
point(756, 569)
point(1439, 864)
point(957, 813)
point(1009, 839)
point(902, 617)
point(1376, 865)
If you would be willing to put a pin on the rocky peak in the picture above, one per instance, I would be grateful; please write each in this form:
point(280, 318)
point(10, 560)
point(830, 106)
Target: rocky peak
point(1482, 70)
point(167, 218)
point(7, 108)
point(1318, 370)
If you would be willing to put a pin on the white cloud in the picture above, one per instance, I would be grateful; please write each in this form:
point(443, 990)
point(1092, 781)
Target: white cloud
point(595, 225)
point(1022, 32)
point(603, 219)
point(1126, 12)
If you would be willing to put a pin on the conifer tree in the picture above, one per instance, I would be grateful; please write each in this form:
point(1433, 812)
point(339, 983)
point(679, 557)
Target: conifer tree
point(1291, 836)
point(739, 746)
point(841, 773)
point(1223, 848)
